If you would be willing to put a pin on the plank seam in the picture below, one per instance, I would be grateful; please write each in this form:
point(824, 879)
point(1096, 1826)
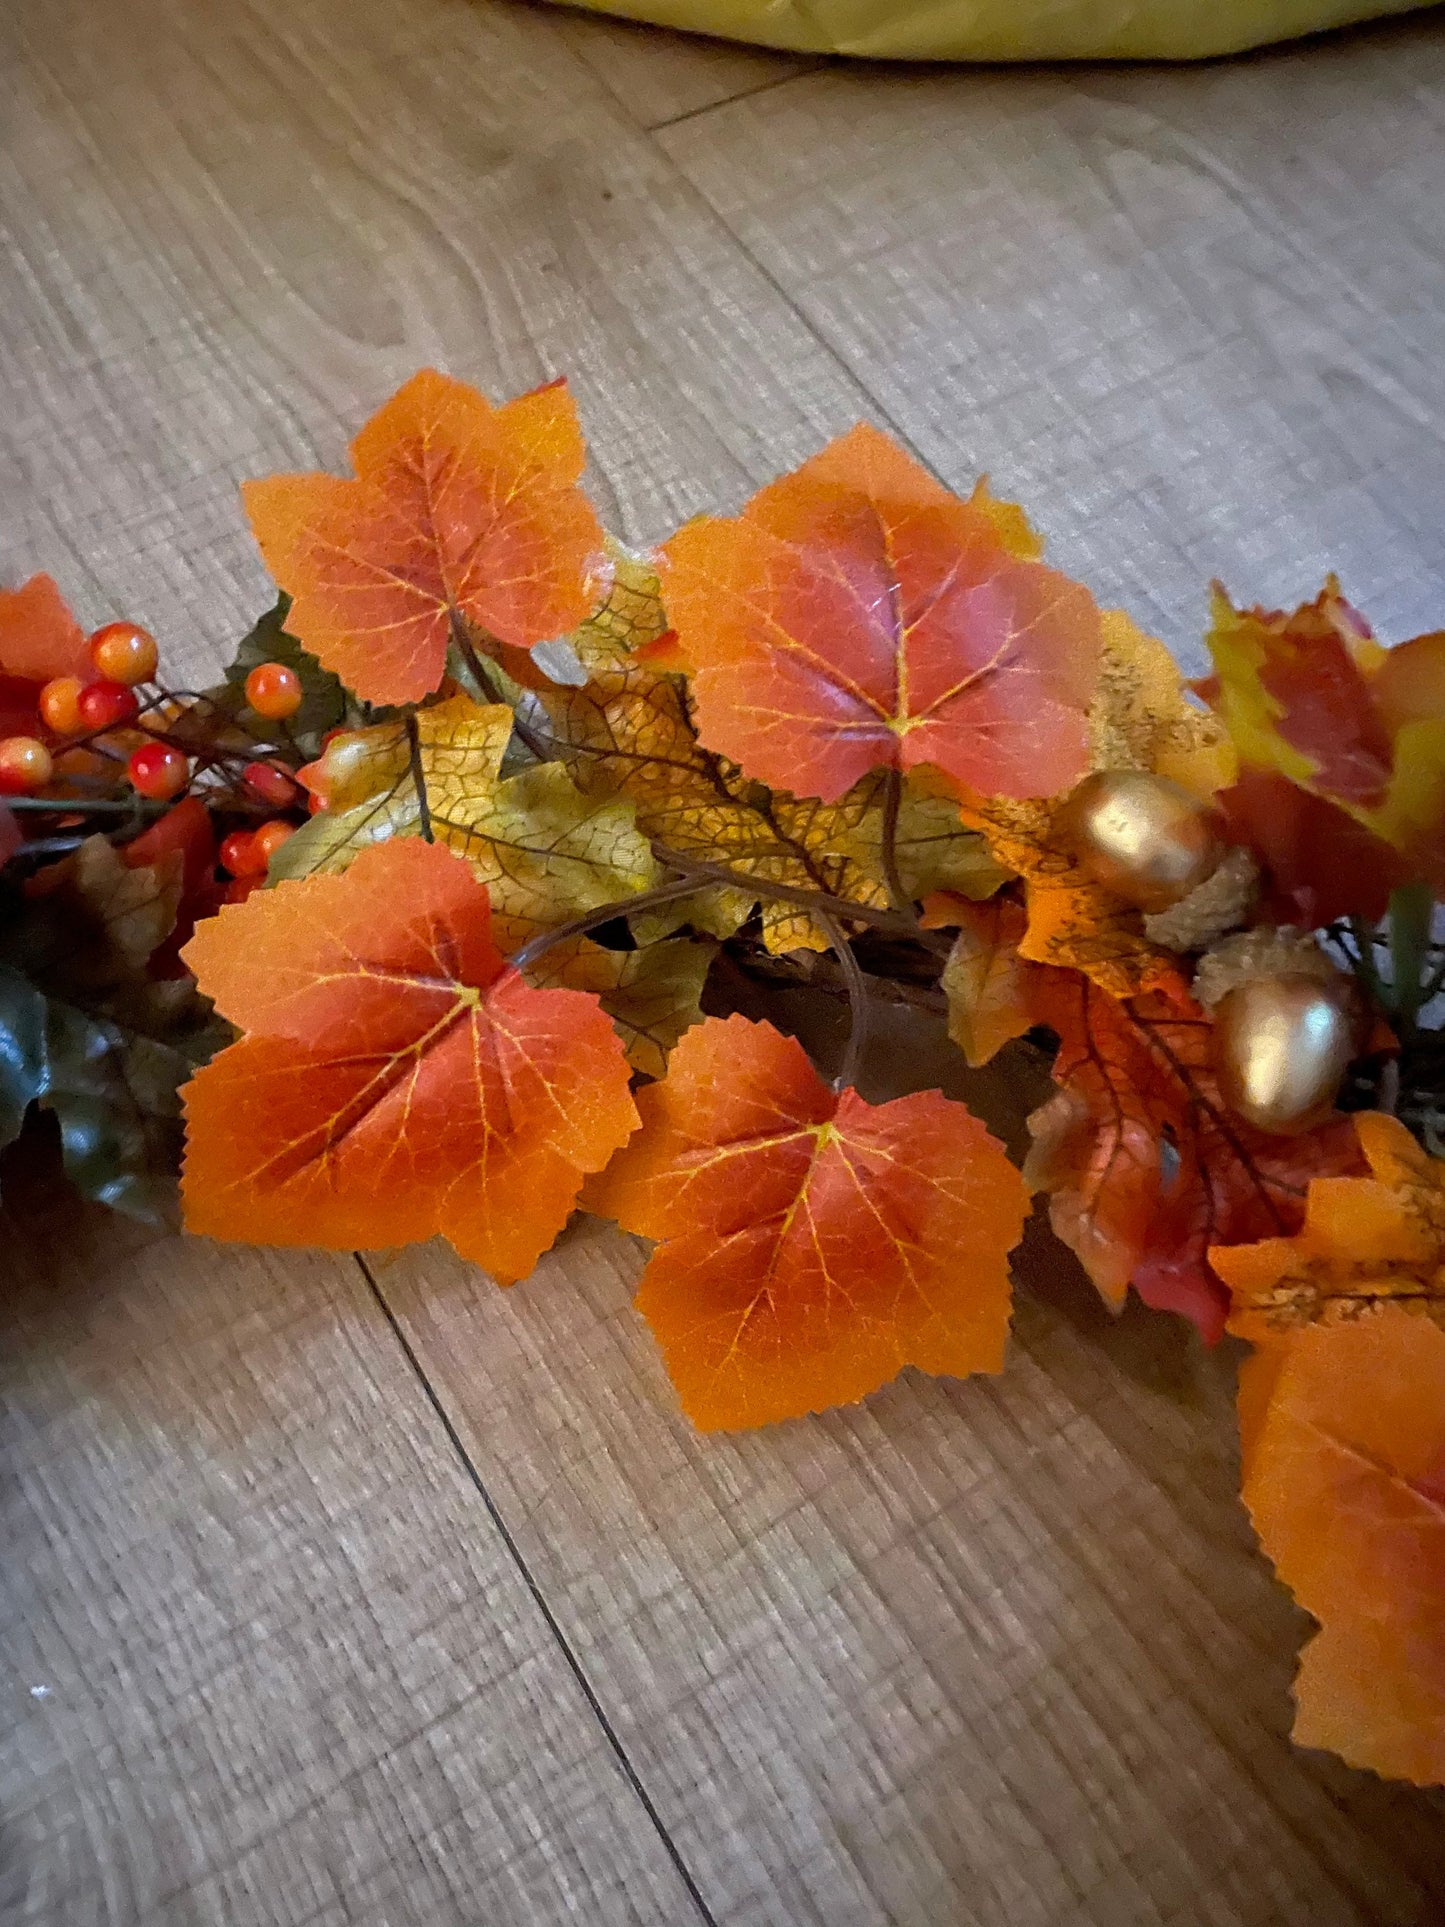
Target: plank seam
point(529, 1579)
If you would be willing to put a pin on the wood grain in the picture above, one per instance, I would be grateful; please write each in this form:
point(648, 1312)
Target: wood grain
point(988, 1653)
point(266, 1658)
point(1190, 317)
point(1000, 1652)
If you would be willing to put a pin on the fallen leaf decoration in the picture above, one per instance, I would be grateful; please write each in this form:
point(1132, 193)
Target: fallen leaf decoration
point(986, 981)
point(1345, 1483)
point(39, 637)
point(1141, 718)
point(1144, 1165)
point(545, 851)
point(628, 732)
point(397, 1079)
point(813, 1244)
point(1365, 1242)
point(1310, 695)
point(1321, 863)
point(460, 515)
point(857, 615)
point(651, 993)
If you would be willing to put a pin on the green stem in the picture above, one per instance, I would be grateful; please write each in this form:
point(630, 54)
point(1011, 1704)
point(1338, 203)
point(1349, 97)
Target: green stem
point(1363, 933)
point(1412, 906)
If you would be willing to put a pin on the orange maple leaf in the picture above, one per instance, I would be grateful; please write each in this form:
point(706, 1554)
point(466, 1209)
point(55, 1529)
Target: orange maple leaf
point(986, 980)
point(857, 614)
point(399, 1079)
point(1345, 1483)
point(1364, 1242)
point(1145, 1165)
point(814, 1244)
point(461, 514)
point(39, 637)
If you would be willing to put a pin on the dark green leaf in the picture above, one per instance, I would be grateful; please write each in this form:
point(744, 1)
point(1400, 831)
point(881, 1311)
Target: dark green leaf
point(325, 703)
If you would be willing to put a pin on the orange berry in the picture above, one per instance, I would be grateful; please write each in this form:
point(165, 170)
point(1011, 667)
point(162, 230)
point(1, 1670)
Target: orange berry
point(239, 855)
point(269, 838)
point(104, 704)
point(25, 765)
point(124, 652)
point(159, 772)
point(272, 785)
point(273, 691)
point(60, 706)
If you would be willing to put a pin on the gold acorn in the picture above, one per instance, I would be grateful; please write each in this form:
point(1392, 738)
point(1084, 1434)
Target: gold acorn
point(1283, 1044)
point(1143, 837)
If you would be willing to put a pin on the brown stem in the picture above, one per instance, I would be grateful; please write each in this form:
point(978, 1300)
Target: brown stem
point(482, 677)
point(888, 845)
point(418, 776)
point(539, 945)
point(857, 1003)
point(814, 900)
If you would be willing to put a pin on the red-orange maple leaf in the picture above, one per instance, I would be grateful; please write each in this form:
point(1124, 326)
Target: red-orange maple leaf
point(460, 513)
point(39, 637)
point(857, 614)
point(1145, 1165)
point(399, 1079)
point(814, 1244)
point(1345, 1482)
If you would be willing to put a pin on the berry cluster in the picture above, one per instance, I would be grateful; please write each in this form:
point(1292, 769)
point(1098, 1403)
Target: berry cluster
point(122, 734)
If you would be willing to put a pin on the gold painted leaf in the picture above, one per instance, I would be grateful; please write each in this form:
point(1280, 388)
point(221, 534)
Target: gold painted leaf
point(545, 851)
point(628, 732)
point(1141, 718)
point(650, 993)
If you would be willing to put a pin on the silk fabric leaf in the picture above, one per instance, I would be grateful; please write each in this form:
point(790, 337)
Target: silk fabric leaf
point(397, 1080)
point(858, 615)
point(813, 1244)
point(460, 515)
point(545, 851)
point(1144, 1164)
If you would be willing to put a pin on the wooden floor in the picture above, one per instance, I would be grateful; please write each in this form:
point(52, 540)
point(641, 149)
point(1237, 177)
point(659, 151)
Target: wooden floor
point(337, 1594)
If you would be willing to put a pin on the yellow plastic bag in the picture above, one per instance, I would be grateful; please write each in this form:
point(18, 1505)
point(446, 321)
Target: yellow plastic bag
point(1006, 29)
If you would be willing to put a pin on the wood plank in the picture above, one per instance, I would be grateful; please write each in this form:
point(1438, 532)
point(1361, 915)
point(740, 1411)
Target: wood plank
point(1191, 317)
point(999, 1651)
point(291, 1675)
point(660, 77)
point(267, 1660)
point(231, 232)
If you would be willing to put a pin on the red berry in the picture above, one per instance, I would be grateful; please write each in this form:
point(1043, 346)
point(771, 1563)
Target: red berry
point(269, 838)
point(273, 691)
point(124, 652)
point(239, 855)
point(104, 704)
point(25, 765)
point(60, 706)
point(272, 785)
point(240, 889)
point(158, 771)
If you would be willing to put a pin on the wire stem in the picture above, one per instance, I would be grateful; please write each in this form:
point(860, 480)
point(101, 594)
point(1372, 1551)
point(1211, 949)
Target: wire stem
point(418, 777)
point(482, 677)
point(888, 845)
point(539, 945)
point(858, 1006)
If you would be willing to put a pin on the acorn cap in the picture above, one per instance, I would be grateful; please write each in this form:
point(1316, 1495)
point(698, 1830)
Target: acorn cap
point(1274, 950)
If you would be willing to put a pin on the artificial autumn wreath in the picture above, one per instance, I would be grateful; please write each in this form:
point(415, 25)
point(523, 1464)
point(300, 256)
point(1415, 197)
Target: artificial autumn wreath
point(416, 915)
